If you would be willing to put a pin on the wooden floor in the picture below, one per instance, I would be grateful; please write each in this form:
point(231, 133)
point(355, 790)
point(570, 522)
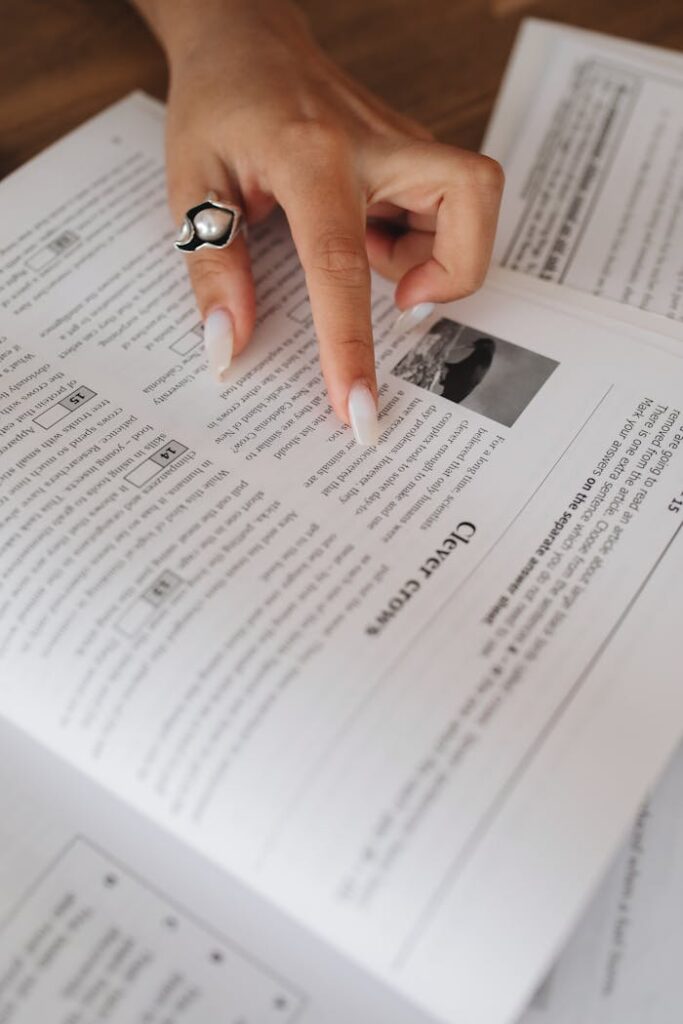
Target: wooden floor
point(439, 60)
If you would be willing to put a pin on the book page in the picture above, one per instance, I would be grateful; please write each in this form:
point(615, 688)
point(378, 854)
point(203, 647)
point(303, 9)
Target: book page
point(352, 678)
point(84, 937)
point(594, 167)
point(621, 967)
point(103, 917)
point(90, 937)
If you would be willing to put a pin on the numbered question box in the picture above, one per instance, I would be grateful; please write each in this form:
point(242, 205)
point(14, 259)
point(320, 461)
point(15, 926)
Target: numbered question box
point(48, 254)
point(301, 313)
point(141, 612)
point(64, 407)
point(189, 341)
point(155, 464)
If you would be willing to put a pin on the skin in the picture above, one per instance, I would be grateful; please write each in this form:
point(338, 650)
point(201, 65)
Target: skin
point(260, 115)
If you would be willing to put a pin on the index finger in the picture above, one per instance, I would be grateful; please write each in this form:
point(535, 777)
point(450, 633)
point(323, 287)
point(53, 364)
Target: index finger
point(325, 208)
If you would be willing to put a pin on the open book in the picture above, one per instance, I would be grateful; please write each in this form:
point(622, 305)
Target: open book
point(291, 730)
point(590, 130)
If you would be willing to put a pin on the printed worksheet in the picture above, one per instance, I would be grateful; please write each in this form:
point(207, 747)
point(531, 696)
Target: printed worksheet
point(393, 692)
point(590, 133)
point(622, 965)
point(105, 917)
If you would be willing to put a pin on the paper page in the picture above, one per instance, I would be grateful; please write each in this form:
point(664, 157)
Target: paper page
point(622, 965)
point(89, 937)
point(594, 168)
point(84, 937)
point(636, 323)
point(528, 60)
point(102, 917)
point(340, 674)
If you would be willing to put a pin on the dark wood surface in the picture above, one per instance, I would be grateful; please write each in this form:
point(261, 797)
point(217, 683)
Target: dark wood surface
point(440, 61)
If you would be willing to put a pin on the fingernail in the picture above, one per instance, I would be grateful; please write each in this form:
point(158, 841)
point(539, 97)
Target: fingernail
point(363, 414)
point(218, 341)
point(413, 316)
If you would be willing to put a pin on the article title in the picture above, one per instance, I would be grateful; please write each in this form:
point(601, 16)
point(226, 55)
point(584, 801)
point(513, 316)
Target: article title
point(461, 535)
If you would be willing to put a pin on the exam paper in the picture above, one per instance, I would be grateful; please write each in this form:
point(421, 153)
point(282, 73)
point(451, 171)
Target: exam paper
point(105, 917)
point(622, 965)
point(591, 139)
point(372, 685)
point(95, 939)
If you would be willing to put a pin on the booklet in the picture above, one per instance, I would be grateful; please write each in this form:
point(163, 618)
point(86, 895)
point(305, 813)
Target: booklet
point(294, 730)
point(622, 965)
point(589, 130)
point(565, 88)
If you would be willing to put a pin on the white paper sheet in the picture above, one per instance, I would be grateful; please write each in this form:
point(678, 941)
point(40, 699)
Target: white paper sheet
point(379, 687)
point(616, 968)
point(103, 915)
point(590, 133)
point(622, 965)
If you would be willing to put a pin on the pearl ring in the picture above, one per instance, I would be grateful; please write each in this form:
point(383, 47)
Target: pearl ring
point(211, 223)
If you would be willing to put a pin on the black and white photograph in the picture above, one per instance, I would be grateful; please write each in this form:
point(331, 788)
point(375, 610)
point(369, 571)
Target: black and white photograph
point(481, 372)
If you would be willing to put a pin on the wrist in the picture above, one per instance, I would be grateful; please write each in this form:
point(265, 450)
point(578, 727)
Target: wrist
point(183, 27)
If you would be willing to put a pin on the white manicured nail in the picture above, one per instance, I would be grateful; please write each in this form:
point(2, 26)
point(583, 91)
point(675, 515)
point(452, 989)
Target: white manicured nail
point(218, 341)
point(363, 415)
point(413, 316)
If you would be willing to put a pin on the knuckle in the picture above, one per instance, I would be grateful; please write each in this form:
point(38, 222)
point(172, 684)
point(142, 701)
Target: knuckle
point(206, 269)
point(313, 138)
point(354, 344)
point(208, 276)
point(487, 174)
point(342, 259)
point(470, 280)
point(420, 132)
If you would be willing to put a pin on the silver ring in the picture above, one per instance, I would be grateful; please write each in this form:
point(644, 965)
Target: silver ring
point(211, 223)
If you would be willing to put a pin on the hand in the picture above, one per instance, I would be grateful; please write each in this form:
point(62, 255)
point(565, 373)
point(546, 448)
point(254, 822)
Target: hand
point(257, 113)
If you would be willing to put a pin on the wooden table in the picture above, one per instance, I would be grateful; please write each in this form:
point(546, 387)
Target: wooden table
point(439, 60)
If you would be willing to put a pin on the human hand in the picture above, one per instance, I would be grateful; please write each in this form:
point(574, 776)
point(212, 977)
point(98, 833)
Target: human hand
point(259, 114)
